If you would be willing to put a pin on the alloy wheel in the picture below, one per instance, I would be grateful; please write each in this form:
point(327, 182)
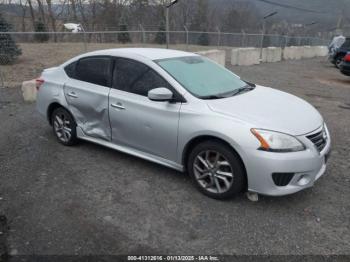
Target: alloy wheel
point(62, 127)
point(213, 171)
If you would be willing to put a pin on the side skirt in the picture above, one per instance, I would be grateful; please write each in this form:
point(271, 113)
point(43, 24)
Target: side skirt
point(131, 151)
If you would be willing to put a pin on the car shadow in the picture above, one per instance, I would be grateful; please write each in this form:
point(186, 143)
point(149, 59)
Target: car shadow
point(127, 157)
point(157, 171)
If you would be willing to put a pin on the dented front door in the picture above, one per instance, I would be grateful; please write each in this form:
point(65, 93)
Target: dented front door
point(89, 105)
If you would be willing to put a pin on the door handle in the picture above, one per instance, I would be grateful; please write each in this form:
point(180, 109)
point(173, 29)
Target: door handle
point(72, 94)
point(118, 105)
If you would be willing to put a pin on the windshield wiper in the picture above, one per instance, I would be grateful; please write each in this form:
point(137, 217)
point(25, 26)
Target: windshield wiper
point(231, 93)
point(212, 97)
point(250, 84)
point(243, 89)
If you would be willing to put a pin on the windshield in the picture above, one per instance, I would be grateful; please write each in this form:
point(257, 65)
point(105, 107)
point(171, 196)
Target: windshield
point(202, 77)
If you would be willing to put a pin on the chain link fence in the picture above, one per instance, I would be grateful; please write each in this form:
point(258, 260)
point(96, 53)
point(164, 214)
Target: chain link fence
point(23, 55)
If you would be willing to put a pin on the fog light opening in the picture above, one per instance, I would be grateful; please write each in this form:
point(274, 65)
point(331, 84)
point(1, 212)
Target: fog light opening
point(303, 180)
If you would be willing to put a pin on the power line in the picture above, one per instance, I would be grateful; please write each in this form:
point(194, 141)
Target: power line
point(291, 7)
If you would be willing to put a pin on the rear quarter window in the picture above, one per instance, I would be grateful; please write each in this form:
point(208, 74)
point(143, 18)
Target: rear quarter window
point(70, 69)
point(95, 70)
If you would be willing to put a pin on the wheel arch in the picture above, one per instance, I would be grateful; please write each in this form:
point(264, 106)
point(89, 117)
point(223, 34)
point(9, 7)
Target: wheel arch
point(52, 107)
point(202, 138)
point(338, 55)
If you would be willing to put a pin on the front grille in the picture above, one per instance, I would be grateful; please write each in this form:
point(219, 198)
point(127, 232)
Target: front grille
point(319, 139)
point(282, 179)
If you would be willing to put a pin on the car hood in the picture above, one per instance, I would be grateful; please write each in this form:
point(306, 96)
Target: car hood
point(270, 109)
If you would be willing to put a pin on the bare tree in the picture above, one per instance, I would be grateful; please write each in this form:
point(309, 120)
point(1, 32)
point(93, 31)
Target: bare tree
point(24, 11)
point(74, 9)
point(240, 16)
point(41, 11)
point(185, 11)
point(32, 14)
point(51, 17)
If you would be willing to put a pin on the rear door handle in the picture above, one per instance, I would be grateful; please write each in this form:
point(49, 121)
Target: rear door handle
point(72, 94)
point(118, 105)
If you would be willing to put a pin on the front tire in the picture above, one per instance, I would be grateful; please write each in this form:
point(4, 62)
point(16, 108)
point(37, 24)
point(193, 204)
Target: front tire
point(216, 170)
point(64, 127)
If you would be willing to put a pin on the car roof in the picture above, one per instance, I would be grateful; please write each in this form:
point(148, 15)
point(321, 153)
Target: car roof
point(149, 53)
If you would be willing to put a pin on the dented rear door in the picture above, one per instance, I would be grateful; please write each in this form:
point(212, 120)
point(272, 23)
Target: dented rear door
point(87, 96)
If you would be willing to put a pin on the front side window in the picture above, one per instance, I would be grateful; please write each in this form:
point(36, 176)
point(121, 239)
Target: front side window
point(95, 70)
point(137, 78)
point(202, 77)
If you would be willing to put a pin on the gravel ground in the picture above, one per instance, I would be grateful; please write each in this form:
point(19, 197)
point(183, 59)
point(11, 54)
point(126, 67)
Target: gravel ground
point(91, 200)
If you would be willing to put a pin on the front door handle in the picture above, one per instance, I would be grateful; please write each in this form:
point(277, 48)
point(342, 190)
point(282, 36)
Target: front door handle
point(72, 94)
point(118, 105)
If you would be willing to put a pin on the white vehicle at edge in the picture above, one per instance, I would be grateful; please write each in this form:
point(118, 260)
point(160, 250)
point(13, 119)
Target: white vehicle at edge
point(186, 112)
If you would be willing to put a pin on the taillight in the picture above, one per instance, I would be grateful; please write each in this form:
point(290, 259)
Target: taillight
point(347, 58)
point(39, 82)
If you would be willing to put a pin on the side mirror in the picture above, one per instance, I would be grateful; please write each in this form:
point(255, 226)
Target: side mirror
point(160, 94)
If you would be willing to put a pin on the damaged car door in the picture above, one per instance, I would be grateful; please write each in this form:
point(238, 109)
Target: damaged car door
point(87, 92)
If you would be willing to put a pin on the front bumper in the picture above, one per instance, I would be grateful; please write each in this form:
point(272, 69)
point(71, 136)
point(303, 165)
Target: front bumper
point(345, 68)
point(306, 166)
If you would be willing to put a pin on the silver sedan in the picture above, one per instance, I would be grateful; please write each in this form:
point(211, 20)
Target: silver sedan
point(186, 112)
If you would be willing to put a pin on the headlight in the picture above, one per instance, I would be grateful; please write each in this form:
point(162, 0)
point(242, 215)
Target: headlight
point(277, 142)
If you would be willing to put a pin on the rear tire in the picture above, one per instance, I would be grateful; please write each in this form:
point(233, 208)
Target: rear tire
point(216, 170)
point(338, 61)
point(64, 127)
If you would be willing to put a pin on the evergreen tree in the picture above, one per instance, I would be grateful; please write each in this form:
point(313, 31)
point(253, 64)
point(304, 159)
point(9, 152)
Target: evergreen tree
point(9, 51)
point(124, 37)
point(161, 35)
point(40, 27)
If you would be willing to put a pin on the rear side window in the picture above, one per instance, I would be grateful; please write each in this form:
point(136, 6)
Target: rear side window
point(70, 69)
point(135, 77)
point(95, 70)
